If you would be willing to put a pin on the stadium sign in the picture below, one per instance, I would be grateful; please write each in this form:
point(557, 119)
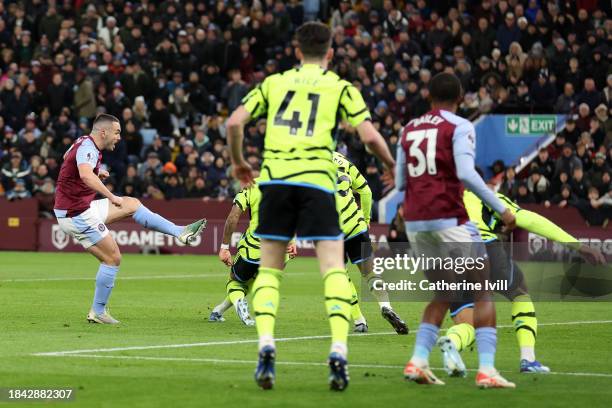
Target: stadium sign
point(132, 238)
point(530, 124)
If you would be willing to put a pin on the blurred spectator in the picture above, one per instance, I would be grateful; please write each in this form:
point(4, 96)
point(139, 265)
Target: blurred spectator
point(578, 184)
point(523, 195)
point(152, 163)
point(15, 169)
point(567, 161)
point(590, 95)
point(538, 185)
point(173, 187)
point(564, 199)
point(84, 98)
point(545, 164)
point(19, 191)
point(566, 102)
point(509, 184)
point(199, 189)
point(234, 90)
point(596, 209)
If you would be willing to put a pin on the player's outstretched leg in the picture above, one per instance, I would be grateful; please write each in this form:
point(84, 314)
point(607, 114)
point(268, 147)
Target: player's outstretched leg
point(265, 304)
point(148, 219)
point(338, 305)
point(107, 251)
point(361, 325)
point(525, 324)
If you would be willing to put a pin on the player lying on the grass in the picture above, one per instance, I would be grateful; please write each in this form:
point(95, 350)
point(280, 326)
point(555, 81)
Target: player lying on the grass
point(461, 335)
point(246, 264)
point(354, 222)
point(435, 158)
point(298, 182)
point(84, 218)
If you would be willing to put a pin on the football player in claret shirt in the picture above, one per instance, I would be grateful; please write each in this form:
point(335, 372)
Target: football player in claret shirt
point(524, 319)
point(435, 158)
point(85, 219)
point(303, 107)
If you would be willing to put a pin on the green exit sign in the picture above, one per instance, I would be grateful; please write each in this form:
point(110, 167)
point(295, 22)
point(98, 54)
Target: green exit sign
point(530, 124)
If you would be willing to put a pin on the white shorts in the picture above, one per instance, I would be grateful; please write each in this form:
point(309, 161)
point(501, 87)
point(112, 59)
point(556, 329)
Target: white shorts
point(88, 227)
point(462, 240)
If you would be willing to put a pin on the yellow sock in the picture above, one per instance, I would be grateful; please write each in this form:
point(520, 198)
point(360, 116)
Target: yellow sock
point(235, 290)
point(265, 303)
point(338, 305)
point(356, 314)
point(525, 324)
point(462, 335)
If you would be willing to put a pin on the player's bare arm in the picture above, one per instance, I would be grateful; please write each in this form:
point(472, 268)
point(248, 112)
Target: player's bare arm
point(235, 136)
point(93, 181)
point(230, 226)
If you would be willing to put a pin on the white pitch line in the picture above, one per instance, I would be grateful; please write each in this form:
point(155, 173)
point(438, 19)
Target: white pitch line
point(233, 342)
point(299, 363)
point(144, 277)
point(119, 277)
point(203, 344)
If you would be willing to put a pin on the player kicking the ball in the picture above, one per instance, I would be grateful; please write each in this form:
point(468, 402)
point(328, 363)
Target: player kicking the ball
point(461, 335)
point(245, 266)
point(298, 182)
point(84, 218)
point(435, 157)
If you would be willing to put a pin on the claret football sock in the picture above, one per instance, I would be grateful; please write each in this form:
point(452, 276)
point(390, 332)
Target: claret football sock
point(425, 339)
point(156, 222)
point(486, 340)
point(338, 306)
point(265, 303)
point(105, 280)
point(462, 335)
point(525, 324)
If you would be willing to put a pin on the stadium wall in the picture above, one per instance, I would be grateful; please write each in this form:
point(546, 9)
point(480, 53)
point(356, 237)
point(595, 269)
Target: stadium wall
point(21, 229)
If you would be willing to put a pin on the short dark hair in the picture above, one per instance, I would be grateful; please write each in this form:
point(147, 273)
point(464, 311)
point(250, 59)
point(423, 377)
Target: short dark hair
point(104, 118)
point(445, 87)
point(314, 39)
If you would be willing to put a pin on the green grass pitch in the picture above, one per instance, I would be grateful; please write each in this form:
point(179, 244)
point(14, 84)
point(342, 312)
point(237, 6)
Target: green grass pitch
point(166, 300)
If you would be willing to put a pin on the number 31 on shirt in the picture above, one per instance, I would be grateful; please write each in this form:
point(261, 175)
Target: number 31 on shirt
point(423, 153)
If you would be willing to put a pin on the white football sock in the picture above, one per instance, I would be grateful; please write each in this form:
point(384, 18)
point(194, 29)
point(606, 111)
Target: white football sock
point(528, 353)
point(340, 348)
